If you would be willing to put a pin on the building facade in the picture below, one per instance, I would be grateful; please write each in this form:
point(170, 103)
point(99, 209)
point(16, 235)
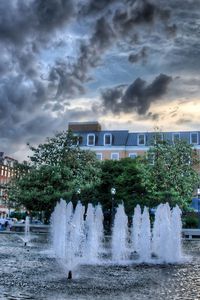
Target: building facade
point(7, 171)
point(117, 144)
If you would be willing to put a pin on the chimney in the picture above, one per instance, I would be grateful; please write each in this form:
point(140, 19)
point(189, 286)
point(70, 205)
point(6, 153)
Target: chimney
point(84, 126)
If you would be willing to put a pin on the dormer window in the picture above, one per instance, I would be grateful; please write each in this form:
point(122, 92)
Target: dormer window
point(141, 139)
point(194, 138)
point(91, 139)
point(107, 139)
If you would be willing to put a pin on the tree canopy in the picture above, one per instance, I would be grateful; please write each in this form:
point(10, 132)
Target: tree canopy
point(58, 168)
point(170, 173)
point(125, 176)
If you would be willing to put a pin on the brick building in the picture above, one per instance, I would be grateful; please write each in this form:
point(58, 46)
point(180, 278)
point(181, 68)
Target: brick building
point(6, 173)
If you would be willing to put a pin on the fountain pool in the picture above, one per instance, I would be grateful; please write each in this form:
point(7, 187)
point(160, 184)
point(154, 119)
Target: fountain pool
point(79, 240)
point(32, 272)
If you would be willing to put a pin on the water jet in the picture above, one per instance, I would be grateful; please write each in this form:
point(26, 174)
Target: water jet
point(78, 237)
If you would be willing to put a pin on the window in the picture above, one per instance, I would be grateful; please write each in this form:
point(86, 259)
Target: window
point(133, 155)
point(115, 156)
point(107, 139)
point(99, 156)
point(141, 139)
point(194, 138)
point(91, 140)
point(175, 137)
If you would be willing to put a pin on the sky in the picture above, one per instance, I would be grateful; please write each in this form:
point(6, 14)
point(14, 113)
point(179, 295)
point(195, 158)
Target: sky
point(129, 64)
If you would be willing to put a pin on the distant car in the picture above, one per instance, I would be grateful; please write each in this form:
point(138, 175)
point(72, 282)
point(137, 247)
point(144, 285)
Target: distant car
point(6, 221)
point(37, 222)
point(20, 221)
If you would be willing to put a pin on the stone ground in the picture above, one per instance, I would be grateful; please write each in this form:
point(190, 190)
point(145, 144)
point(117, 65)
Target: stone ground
point(32, 273)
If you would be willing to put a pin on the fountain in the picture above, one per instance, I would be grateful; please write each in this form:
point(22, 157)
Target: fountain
point(127, 264)
point(120, 236)
point(26, 238)
point(80, 241)
point(144, 243)
point(136, 225)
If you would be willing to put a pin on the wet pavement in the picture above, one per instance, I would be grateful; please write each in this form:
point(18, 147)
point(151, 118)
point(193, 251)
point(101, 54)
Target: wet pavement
point(33, 273)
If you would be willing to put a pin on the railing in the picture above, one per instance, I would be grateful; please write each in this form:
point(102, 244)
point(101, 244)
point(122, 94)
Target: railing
point(37, 228)
point(187, 233)
point(191, 233)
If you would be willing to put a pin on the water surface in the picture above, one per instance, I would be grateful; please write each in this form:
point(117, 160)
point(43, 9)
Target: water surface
point(33, 273)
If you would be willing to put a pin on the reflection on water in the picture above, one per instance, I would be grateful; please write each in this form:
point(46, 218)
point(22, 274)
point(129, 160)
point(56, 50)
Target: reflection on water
point(19, 296)
point(33, 273)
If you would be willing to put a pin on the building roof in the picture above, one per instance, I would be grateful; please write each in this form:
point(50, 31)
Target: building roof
point(126, 138)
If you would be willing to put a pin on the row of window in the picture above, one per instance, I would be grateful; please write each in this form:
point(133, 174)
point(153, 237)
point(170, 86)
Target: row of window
point(7, 172)
point(107, 139)
point(175, 137)
point(115, 156)
point(141, 138)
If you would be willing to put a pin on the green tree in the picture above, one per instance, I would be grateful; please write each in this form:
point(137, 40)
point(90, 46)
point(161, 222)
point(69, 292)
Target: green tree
point(126, 176)
point(130, 184)
point(170, 173)
point(57, 169)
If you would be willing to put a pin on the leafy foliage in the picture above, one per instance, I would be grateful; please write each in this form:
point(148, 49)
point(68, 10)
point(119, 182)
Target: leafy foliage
point(125, 176)
point(57, 169)
point(170, 173)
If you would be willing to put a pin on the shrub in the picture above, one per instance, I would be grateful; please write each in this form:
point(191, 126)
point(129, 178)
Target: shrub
point(190, 221)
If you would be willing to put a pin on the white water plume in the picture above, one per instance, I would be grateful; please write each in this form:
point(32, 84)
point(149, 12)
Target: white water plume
point(78, 238)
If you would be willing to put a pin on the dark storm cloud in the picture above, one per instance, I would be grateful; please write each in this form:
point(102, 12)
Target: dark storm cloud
point(52, 13)
point(112, 94)
point(18, 98)
point(70, 80)
point(58, 107)
point(127, 18)
point(31, 31)
point(183, 121)
point(138, 96)
point(140, 56)
point(63, 82)
point(90, 54)
point(182, 55)
point(26, 27)
point(152, 116)
point(103, 34)
point(94, 7)
point(21, 18)
point(119, 24)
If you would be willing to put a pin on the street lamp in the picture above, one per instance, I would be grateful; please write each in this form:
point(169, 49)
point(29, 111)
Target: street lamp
point(113, 192)
point(78, 191)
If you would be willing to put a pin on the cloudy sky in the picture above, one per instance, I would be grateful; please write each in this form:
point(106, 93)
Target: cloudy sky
point(129, 64)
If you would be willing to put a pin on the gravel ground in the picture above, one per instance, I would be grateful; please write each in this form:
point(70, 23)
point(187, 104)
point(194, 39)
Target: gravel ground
point(33, 273)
